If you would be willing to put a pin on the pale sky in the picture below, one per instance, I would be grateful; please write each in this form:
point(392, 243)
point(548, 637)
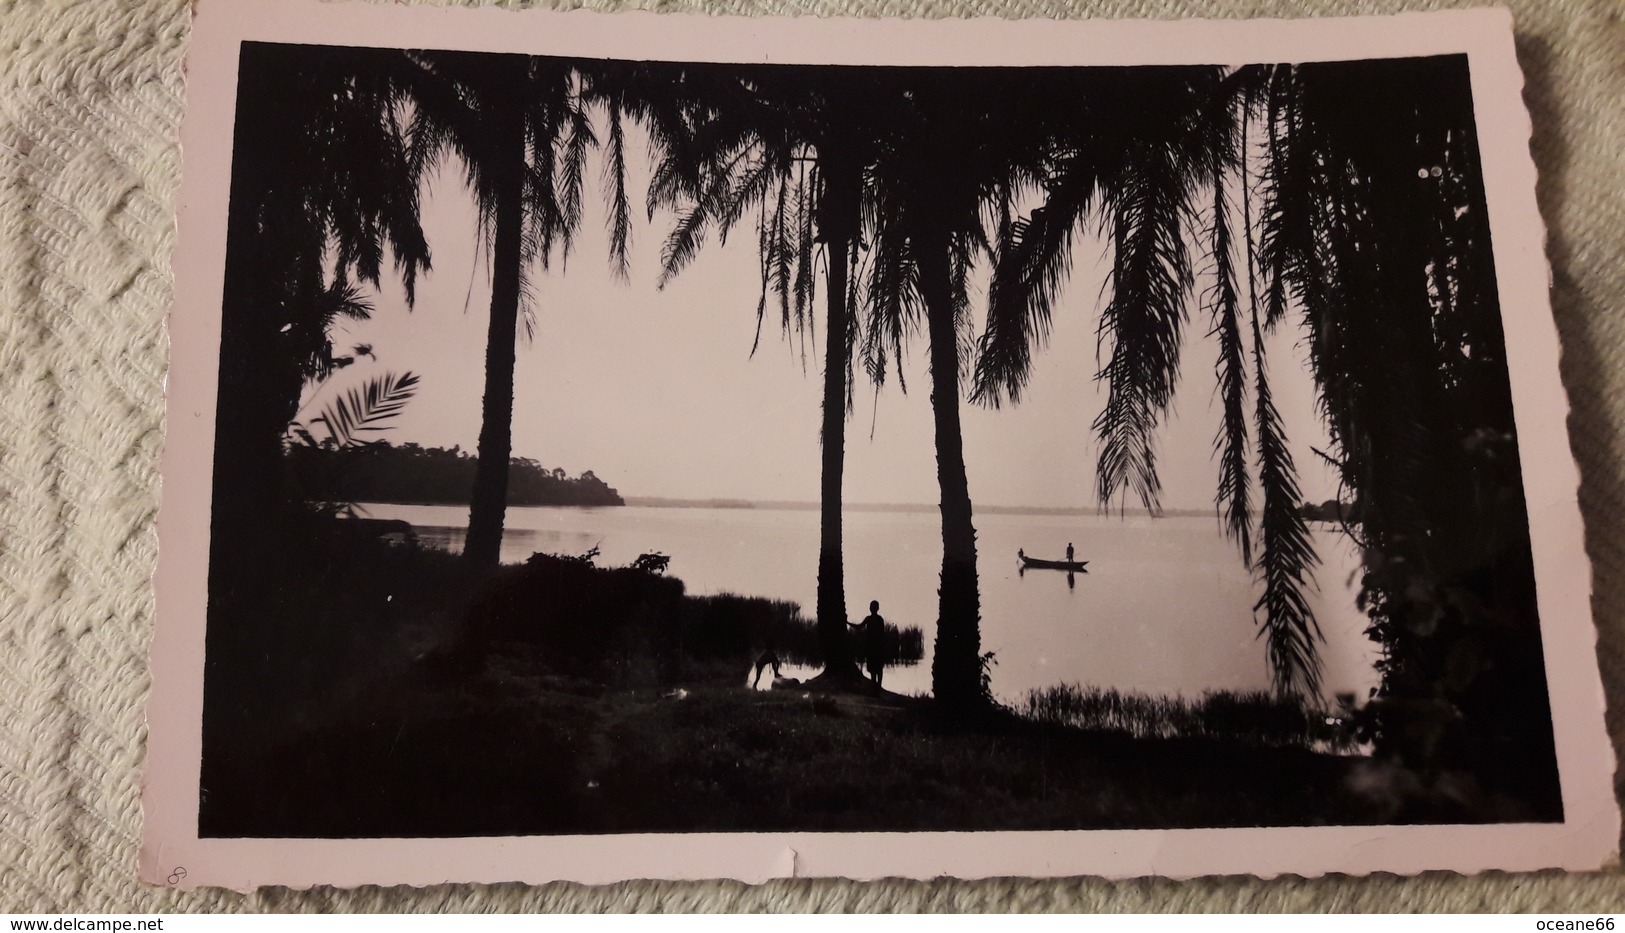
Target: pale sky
point(656, 391)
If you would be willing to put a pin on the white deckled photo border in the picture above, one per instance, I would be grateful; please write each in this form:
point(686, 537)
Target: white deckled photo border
point(173, 854)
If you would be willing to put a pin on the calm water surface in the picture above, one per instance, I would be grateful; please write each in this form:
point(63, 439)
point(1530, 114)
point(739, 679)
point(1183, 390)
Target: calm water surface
point(1165, 608)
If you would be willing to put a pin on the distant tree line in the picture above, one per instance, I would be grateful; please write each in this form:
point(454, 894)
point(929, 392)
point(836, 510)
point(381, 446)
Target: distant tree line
point(411, 473)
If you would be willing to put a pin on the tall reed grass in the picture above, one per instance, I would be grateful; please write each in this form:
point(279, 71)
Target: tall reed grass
point(1256, 718)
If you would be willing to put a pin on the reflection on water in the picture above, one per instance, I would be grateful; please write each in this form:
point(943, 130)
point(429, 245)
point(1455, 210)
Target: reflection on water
point(1071, 576)
point(1164, 607)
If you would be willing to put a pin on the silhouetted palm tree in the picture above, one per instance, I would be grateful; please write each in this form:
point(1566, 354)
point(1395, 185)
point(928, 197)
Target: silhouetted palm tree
point(517, 127)
point(1139, 150)
point(321, 188)
point(1375, 225)
point(792, 144)
point(949, 169)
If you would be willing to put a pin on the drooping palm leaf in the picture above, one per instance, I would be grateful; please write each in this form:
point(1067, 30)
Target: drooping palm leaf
point(1144, 319)
point(579, 140)
point(684, 242)
point(1285, 555)
point(784, 228)
point(962, 253)
point(1230, 443)
point(1034, 259)
point(892, 293)
point(620, 232)
point(805, 236)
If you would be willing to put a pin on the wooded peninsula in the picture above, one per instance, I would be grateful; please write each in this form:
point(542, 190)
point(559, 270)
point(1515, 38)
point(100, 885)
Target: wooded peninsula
point(416, 475)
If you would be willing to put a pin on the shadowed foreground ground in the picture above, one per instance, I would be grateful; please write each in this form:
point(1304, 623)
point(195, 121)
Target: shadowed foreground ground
point(356, 729)
point(520, 751)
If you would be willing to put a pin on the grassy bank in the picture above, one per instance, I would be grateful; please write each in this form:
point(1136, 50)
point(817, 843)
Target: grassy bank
point(563, 698)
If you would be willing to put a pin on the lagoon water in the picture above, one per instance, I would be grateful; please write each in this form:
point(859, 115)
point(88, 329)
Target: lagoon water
point(1165, 608)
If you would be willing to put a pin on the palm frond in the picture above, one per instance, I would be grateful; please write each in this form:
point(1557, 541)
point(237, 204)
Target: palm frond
point(1285, 556)
point(892, 295)
point(962, 253)
point(1033, 261)
point(344, 299)
point(745, 183)
point(683, 243)
point(764, 261)
point(854, 323)
point(723, 196)
point(806, 183)
point(1143, 320)
point(542, 225)
point(576, 145)
point(1293, 202)
point(1233, 498)
point(363, 410)
point(620, 207)
point(781, 254)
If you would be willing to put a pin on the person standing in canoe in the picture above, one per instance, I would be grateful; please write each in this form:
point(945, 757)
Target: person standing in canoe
point(873, 631)
point(1069, 552)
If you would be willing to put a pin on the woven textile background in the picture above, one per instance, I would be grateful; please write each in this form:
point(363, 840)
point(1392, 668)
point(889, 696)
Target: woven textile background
point(90, 103)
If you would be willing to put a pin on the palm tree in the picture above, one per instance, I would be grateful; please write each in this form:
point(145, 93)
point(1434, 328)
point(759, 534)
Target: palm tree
point(321, 187)
point(792, 144)
point(949, 168)
point(518, 129)
point(1375, 225)
point(1139, 150)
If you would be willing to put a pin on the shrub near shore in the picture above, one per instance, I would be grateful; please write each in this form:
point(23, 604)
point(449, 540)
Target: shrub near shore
point(628, 626)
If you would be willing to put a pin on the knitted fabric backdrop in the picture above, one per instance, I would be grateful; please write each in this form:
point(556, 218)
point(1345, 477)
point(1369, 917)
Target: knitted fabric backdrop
point(90, 103)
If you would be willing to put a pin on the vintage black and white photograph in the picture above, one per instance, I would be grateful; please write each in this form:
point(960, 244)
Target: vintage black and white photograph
point(632, 445)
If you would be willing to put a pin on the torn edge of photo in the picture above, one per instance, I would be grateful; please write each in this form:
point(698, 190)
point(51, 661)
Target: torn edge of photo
point(1335, 617)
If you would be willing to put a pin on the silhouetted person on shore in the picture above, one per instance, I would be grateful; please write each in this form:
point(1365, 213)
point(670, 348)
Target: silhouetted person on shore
point(769, 658)
point(873, 630)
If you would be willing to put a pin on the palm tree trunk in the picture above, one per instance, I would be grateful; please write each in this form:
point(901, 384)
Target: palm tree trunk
point(956, 661)
point(832, 627)
point(838, 220)
point(260, 382)
point(489, 506)
point(260, 379)
point(256, 383)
